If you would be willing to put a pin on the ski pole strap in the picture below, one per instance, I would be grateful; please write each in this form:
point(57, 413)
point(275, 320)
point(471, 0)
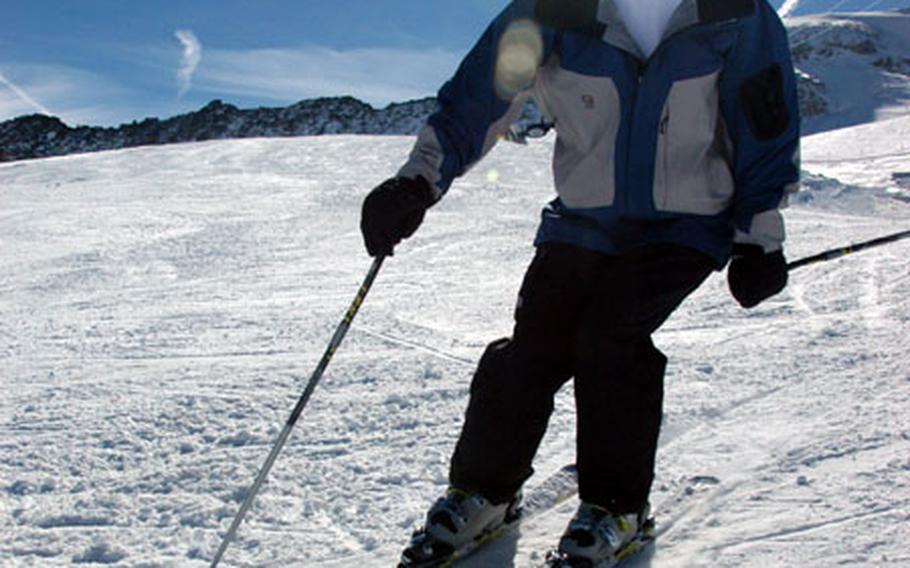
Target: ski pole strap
point(340, 332)
point(843, 251)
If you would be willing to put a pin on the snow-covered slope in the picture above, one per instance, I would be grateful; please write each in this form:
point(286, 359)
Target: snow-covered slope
point(789, 8)
point(853, 69)
point(161, 308)
point(874, 156)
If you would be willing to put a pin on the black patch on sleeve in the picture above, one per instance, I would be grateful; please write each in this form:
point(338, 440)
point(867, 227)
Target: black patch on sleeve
point(711, 11)
point(579, 16)
point(764, 105)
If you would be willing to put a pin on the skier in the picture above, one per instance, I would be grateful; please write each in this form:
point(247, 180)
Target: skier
point(677, 144)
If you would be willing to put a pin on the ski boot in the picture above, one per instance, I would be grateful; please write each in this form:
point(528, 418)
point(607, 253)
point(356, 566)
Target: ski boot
point(456, 525)
point(596, 538)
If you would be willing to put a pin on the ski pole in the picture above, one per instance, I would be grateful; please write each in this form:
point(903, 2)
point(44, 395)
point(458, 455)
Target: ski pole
point(340, 332)
point(843, 251)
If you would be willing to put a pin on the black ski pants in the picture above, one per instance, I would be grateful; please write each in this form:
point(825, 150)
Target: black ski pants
point(587, 316)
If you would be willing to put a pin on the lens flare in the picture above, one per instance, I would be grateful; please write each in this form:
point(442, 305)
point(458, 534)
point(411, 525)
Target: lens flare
point(518, 58)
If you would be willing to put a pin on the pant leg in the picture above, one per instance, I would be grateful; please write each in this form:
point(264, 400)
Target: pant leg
point(619, 377)
point(512, 391)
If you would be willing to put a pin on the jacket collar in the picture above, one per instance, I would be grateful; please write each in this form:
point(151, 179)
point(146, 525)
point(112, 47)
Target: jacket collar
point(688, 13)
point(601, 18)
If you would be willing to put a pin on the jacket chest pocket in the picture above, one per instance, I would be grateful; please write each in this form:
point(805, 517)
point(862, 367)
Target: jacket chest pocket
point(692, 169)
point(586, 112)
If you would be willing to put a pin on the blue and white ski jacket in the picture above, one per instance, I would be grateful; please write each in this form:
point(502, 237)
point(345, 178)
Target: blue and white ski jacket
point(696, 145)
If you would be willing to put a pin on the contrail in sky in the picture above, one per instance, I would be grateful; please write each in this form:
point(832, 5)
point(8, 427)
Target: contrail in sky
point(192, 55)
point(24, 96)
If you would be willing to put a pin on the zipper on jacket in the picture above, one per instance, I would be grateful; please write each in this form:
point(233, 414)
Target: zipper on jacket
point(641, 69)
point(623, 197)
point(662, 161)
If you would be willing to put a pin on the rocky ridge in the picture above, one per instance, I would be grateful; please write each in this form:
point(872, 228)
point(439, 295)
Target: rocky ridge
point(36, 136)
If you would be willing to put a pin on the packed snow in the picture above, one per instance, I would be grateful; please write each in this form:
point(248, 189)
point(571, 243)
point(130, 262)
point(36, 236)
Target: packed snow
point(161, 309)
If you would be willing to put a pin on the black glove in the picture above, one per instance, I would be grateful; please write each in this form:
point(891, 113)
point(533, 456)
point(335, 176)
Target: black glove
point(392, 212)
point(754, 276)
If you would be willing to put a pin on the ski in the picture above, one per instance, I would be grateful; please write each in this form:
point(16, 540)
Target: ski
point(642, 539)
point(673, 507)
point(558, 488)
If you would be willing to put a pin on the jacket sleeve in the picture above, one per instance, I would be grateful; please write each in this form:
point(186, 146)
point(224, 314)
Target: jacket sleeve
point(475, 110)
point(760, 106)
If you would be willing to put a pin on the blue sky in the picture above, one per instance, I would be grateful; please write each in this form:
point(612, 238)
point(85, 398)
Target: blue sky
point(111, 61)
point(104, 62)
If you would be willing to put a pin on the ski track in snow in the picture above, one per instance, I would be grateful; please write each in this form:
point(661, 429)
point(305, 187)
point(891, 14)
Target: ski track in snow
point(162, 308)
